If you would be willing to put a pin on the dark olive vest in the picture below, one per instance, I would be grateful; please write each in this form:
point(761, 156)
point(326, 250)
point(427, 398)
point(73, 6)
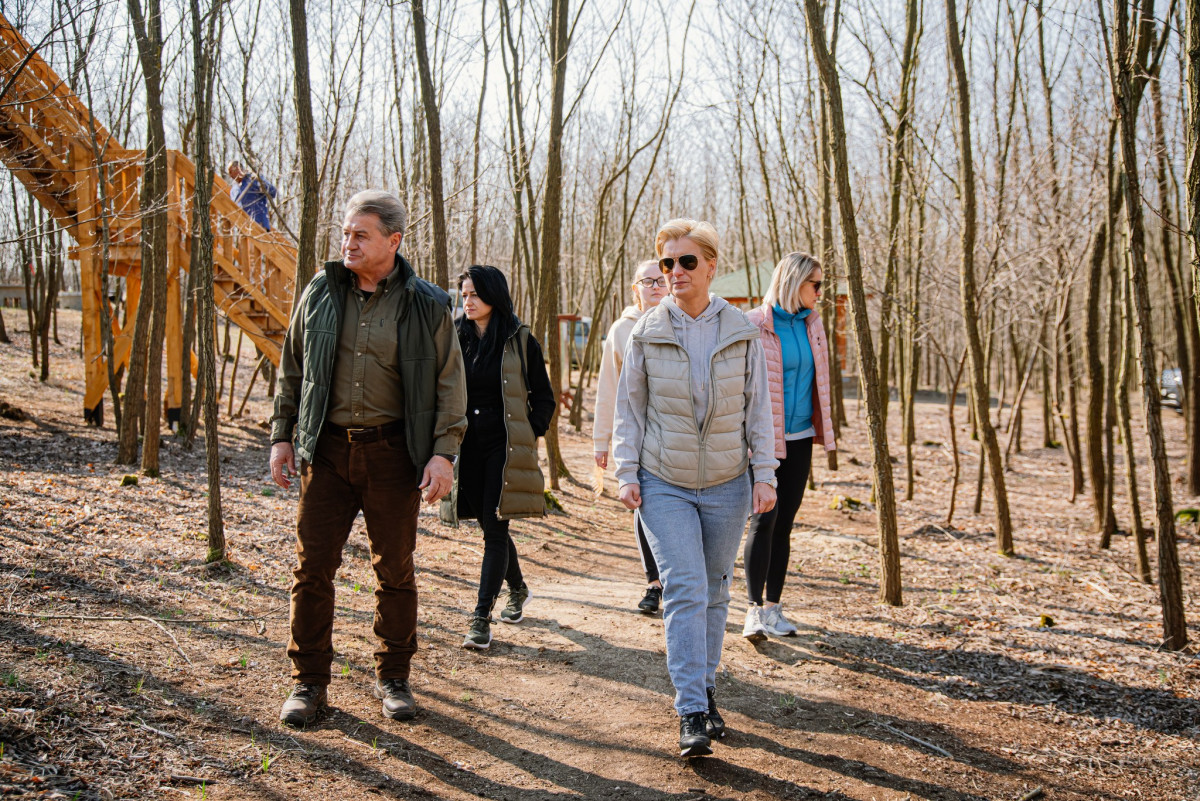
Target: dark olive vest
point(421, 312)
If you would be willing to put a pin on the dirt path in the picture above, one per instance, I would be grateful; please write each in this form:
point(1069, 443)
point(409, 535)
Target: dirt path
point(959, 694)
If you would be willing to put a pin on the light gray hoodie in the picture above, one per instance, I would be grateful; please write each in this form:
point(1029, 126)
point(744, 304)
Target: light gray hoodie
point(698, 337)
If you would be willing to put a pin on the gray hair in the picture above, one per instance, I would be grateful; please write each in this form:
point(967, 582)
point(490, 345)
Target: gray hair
point(790, 274)
point(393, 217)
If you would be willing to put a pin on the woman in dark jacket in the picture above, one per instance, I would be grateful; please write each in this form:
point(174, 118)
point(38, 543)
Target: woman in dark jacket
point(509, 405)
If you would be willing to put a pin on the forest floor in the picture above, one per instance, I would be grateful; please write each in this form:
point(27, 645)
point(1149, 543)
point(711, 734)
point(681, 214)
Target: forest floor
point(128, 669)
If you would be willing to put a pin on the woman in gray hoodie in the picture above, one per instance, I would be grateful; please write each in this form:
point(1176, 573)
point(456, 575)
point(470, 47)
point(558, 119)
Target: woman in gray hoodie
point(694, 447)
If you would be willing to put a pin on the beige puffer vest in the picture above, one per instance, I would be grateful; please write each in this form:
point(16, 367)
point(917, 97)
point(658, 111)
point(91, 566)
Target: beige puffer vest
point(673, 448)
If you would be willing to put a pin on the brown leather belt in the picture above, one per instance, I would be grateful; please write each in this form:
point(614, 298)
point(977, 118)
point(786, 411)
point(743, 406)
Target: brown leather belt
point(369, 434)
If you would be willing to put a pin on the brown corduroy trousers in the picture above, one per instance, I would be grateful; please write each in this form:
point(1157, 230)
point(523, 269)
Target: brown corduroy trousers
point(344, 477)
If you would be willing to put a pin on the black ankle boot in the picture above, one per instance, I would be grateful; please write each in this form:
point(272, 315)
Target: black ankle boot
point(693, 741)
point(714, 723)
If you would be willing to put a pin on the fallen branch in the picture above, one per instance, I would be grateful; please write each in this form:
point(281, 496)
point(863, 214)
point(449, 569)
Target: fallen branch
point(918, 740)
point(159, 732)
point(1034, 794)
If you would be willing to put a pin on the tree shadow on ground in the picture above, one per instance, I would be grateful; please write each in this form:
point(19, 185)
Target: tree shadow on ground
point(981, 675)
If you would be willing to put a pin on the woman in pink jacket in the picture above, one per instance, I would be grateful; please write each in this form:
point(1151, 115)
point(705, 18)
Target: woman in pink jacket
point(798, 373)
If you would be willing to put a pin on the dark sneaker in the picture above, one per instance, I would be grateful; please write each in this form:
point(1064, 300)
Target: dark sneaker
point(651, 600)
point(398, 701)
point(304, 705)
point(715, 724)
point(693, 741)
point(513, 611)
point(479, 636)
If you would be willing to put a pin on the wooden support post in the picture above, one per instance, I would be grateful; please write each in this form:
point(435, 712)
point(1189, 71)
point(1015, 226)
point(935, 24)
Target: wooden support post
point(95, 373)
point(262, 363)
point(176, 259)
point(237, 358)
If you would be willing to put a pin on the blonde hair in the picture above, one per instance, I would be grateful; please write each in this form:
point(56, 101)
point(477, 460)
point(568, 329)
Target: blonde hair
point(700, 232)
point(633, 285)
point(790, 274)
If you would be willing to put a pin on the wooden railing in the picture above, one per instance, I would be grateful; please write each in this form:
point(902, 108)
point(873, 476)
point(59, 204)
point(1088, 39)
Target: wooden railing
point(88, 182)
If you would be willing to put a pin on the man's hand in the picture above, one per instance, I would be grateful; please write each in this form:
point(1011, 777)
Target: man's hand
point(283, 463)
point(602, 459)
point(631, 495)
point(764, 498)
point(437, 479)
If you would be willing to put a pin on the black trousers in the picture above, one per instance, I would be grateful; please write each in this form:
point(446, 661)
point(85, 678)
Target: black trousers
point(648, 563)
point(480, 479)
point(769, 543)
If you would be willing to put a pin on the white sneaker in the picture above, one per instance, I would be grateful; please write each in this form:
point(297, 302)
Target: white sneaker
point(754, 630)
point(776, 624)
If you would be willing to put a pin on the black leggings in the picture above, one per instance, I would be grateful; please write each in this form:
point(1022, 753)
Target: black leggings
point(648, 563)
point(769, 544)
point(480, 479)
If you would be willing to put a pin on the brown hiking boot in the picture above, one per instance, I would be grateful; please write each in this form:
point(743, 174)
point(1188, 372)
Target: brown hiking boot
point(398, 701)
point(304, 705)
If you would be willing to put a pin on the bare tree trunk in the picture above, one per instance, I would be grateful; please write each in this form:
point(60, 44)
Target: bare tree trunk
point(829, 258)
point(1183, 319)
point(1192, 179)
point(1131, 483)
point(951, 402)
point(1105, 522)
point(143, 393)
point(483, 35)
point(889, 544)
point(205, 46)
point(433, 124)
point(548, 301)
point(966, 188)
point(1169, 581)
point(310, 200)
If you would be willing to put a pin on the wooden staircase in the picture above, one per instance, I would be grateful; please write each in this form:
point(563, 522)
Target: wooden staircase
point(88, 182)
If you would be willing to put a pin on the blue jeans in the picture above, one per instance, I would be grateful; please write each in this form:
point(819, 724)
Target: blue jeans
point(694, 535)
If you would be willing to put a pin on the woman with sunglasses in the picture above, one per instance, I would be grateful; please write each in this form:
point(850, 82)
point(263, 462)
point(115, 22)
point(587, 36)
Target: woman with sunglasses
point(509, 405)
point(798, 374)
point(649, 287)
point(695, 453)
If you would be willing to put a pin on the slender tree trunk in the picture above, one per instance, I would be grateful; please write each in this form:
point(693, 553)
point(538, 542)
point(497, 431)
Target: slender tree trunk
point(548, 302)
point(829, 262)
point(1192, 179)
point(969, 291)
point(310, 200)
point(143, 389)
point(205, 45)
point(483, 28)
point(1183, 318)
point(889, 544)
point(1124, 415)
point(951, 402)
point(1169, 581)
point(433, 125)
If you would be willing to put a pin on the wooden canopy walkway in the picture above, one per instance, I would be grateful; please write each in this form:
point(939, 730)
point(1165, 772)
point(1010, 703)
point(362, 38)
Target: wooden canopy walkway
point(88, 181)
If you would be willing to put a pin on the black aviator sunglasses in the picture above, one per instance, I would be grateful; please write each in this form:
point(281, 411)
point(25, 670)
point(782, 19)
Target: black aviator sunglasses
point(688, 262)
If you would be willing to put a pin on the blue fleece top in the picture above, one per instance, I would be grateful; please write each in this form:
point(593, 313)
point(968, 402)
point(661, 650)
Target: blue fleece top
point(799, 371)
point(251, 194)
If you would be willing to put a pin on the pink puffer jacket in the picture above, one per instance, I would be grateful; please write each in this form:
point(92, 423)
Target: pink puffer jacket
point(822, 416)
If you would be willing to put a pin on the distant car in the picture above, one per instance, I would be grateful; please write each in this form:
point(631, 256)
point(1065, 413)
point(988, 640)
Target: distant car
point(1170, 388)
point(582, 328)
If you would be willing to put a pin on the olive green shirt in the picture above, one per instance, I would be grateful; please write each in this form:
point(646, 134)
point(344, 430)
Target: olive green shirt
point(366, 388)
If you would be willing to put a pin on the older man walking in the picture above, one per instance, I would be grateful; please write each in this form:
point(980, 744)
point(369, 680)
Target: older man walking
point(373, 394)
